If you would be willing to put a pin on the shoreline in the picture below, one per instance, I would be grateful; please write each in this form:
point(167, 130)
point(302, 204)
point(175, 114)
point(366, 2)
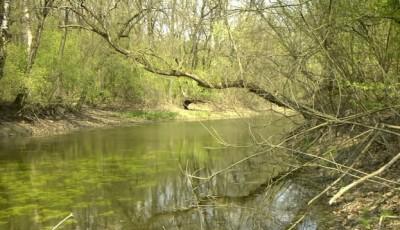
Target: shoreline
point(367, 206)
point(92, 118)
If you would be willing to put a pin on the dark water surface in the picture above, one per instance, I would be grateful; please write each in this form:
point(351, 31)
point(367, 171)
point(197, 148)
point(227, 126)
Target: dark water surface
point(134, 178)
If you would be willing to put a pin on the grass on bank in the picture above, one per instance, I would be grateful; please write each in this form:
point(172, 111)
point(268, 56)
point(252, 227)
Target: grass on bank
point(151, 115)
point(187, 115)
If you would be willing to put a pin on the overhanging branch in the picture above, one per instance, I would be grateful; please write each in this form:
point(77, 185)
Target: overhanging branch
point(93, 24)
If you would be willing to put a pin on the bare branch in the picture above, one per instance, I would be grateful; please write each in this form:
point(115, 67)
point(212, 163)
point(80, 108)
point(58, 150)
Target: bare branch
point(364, 178)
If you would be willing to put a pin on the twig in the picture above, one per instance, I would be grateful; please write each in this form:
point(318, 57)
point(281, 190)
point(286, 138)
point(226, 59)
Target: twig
point(62, 221)
point(384, 217)
point(296, 223)
point(334, 163)
point(346, 172)
point(364, 178)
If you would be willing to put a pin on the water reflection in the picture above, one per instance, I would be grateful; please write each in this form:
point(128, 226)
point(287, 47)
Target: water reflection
point(133, 178)
point(274, 209)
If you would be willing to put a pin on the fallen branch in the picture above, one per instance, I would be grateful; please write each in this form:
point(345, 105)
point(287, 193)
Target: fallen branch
point(296, 223)
point(345, 173)
point(364, 178)
point(385, 217)
point(62, 221)
point(92, 23)
point(336, 164)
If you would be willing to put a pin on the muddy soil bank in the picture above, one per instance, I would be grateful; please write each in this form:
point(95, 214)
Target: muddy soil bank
point(62, 122)
point(68, 122)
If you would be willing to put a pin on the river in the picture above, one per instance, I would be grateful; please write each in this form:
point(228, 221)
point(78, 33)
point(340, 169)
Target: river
point(145, 177)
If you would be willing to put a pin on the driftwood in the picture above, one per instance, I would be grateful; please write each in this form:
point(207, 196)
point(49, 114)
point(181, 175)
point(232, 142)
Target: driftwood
point(343, 190)
point(187, 102)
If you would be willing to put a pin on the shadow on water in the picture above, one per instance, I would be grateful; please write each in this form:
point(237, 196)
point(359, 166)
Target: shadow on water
point(275, 209)
point(134, 178)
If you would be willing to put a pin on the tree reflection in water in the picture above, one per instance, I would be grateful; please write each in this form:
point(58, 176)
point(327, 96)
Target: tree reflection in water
point(132, 178)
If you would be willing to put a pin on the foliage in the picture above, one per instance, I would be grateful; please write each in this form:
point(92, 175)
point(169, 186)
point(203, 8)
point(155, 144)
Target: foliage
point(13, 68)
point(74, 66)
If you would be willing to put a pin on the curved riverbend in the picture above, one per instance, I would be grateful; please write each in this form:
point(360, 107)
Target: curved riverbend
point(134, 178)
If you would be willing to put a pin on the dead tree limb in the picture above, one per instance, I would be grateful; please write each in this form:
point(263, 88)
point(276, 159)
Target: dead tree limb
point(94, 24)
point(343, 190)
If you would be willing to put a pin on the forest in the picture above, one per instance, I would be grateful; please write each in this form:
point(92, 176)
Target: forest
point(335, 63)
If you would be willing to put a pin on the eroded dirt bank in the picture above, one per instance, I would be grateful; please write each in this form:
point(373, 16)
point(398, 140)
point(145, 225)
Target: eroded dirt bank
point(68, 122)
point(61, 120)
point(370, 205)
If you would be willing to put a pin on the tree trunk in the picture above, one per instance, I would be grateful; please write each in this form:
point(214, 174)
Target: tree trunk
point(28, 31)
point(33, 43)
point(4, 12)
point(57, 91)
point(34, 47)
point(44, 12)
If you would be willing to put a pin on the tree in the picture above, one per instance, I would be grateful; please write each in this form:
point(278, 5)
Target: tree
point(4, 13)
point(101, 22)
point(32, 42)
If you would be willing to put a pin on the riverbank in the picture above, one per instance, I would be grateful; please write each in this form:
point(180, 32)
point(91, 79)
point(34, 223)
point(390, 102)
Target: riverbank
point(370, 205)
point(68, 122)
point(88, 118)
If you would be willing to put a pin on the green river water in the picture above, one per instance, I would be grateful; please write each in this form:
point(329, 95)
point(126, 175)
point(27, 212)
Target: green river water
point(136, 178)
